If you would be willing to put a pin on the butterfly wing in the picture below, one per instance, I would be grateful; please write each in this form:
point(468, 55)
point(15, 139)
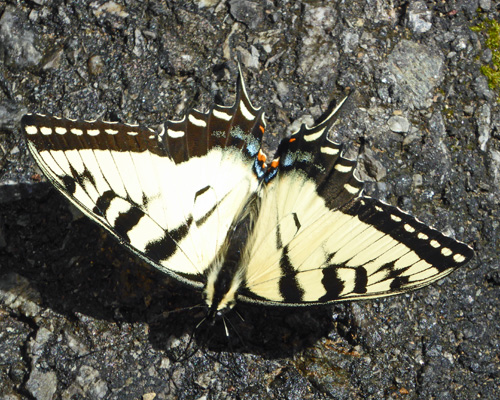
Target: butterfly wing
point(170, 198)
point(316, 240)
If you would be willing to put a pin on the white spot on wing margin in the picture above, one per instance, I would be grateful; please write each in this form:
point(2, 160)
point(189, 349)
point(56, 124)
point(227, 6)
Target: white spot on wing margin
point(247, 114)
point(196, 121)
point(31, 130)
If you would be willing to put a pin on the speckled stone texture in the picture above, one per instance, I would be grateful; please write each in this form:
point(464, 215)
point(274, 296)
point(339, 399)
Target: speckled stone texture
point(82, 318)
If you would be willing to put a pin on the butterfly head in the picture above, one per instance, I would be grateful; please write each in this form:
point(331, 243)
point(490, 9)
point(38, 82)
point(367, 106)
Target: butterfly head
point(215, 312)
point(220, 292)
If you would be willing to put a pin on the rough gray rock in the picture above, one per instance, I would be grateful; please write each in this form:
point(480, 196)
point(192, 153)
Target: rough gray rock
point(87, 384)
point(251, 13)
point(82, 316)
point(42, 385)
point(318, 49)
point(419, 17)
point(398, 124)
point(483, 125)
point(17, 41)
point(413, 71)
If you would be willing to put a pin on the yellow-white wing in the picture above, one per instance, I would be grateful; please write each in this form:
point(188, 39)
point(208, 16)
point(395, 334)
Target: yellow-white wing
point(315, 240)
point(172, 197)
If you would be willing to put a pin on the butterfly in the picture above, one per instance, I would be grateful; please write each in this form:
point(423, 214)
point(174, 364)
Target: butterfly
point(200, 202)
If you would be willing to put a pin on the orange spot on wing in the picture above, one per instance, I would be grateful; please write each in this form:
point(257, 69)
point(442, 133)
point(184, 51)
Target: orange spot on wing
point(262, 129)
point(261, 156)
point(292, 140)
point(275, 163)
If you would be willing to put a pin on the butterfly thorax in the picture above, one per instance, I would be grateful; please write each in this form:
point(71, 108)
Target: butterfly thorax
point(227, 274)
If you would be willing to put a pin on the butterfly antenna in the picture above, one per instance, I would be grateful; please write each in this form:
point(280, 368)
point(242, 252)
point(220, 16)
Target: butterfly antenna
point(235, 330)
point(225, 327)
point(228, 338)
point(91, 352)
point(224, 363)
point(239, 315)
point(199, 323)
point(195, 330)
point(186, 355)
point(166, 314)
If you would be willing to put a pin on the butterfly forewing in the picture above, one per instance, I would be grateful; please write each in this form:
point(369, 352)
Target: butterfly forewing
point(171, 198)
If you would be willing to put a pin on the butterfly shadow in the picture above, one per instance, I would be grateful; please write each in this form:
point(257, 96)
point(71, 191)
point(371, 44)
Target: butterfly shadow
point(74, 265)
point(270, 332)
point(79, 269)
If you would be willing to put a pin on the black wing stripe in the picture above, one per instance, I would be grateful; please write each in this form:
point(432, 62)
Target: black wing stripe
point(429, 244)
point(289, 287)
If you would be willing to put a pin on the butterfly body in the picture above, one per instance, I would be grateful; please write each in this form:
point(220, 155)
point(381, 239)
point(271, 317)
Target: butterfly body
point(199, 202)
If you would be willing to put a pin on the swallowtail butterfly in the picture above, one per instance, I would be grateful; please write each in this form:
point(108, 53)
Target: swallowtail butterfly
point(198, 202)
